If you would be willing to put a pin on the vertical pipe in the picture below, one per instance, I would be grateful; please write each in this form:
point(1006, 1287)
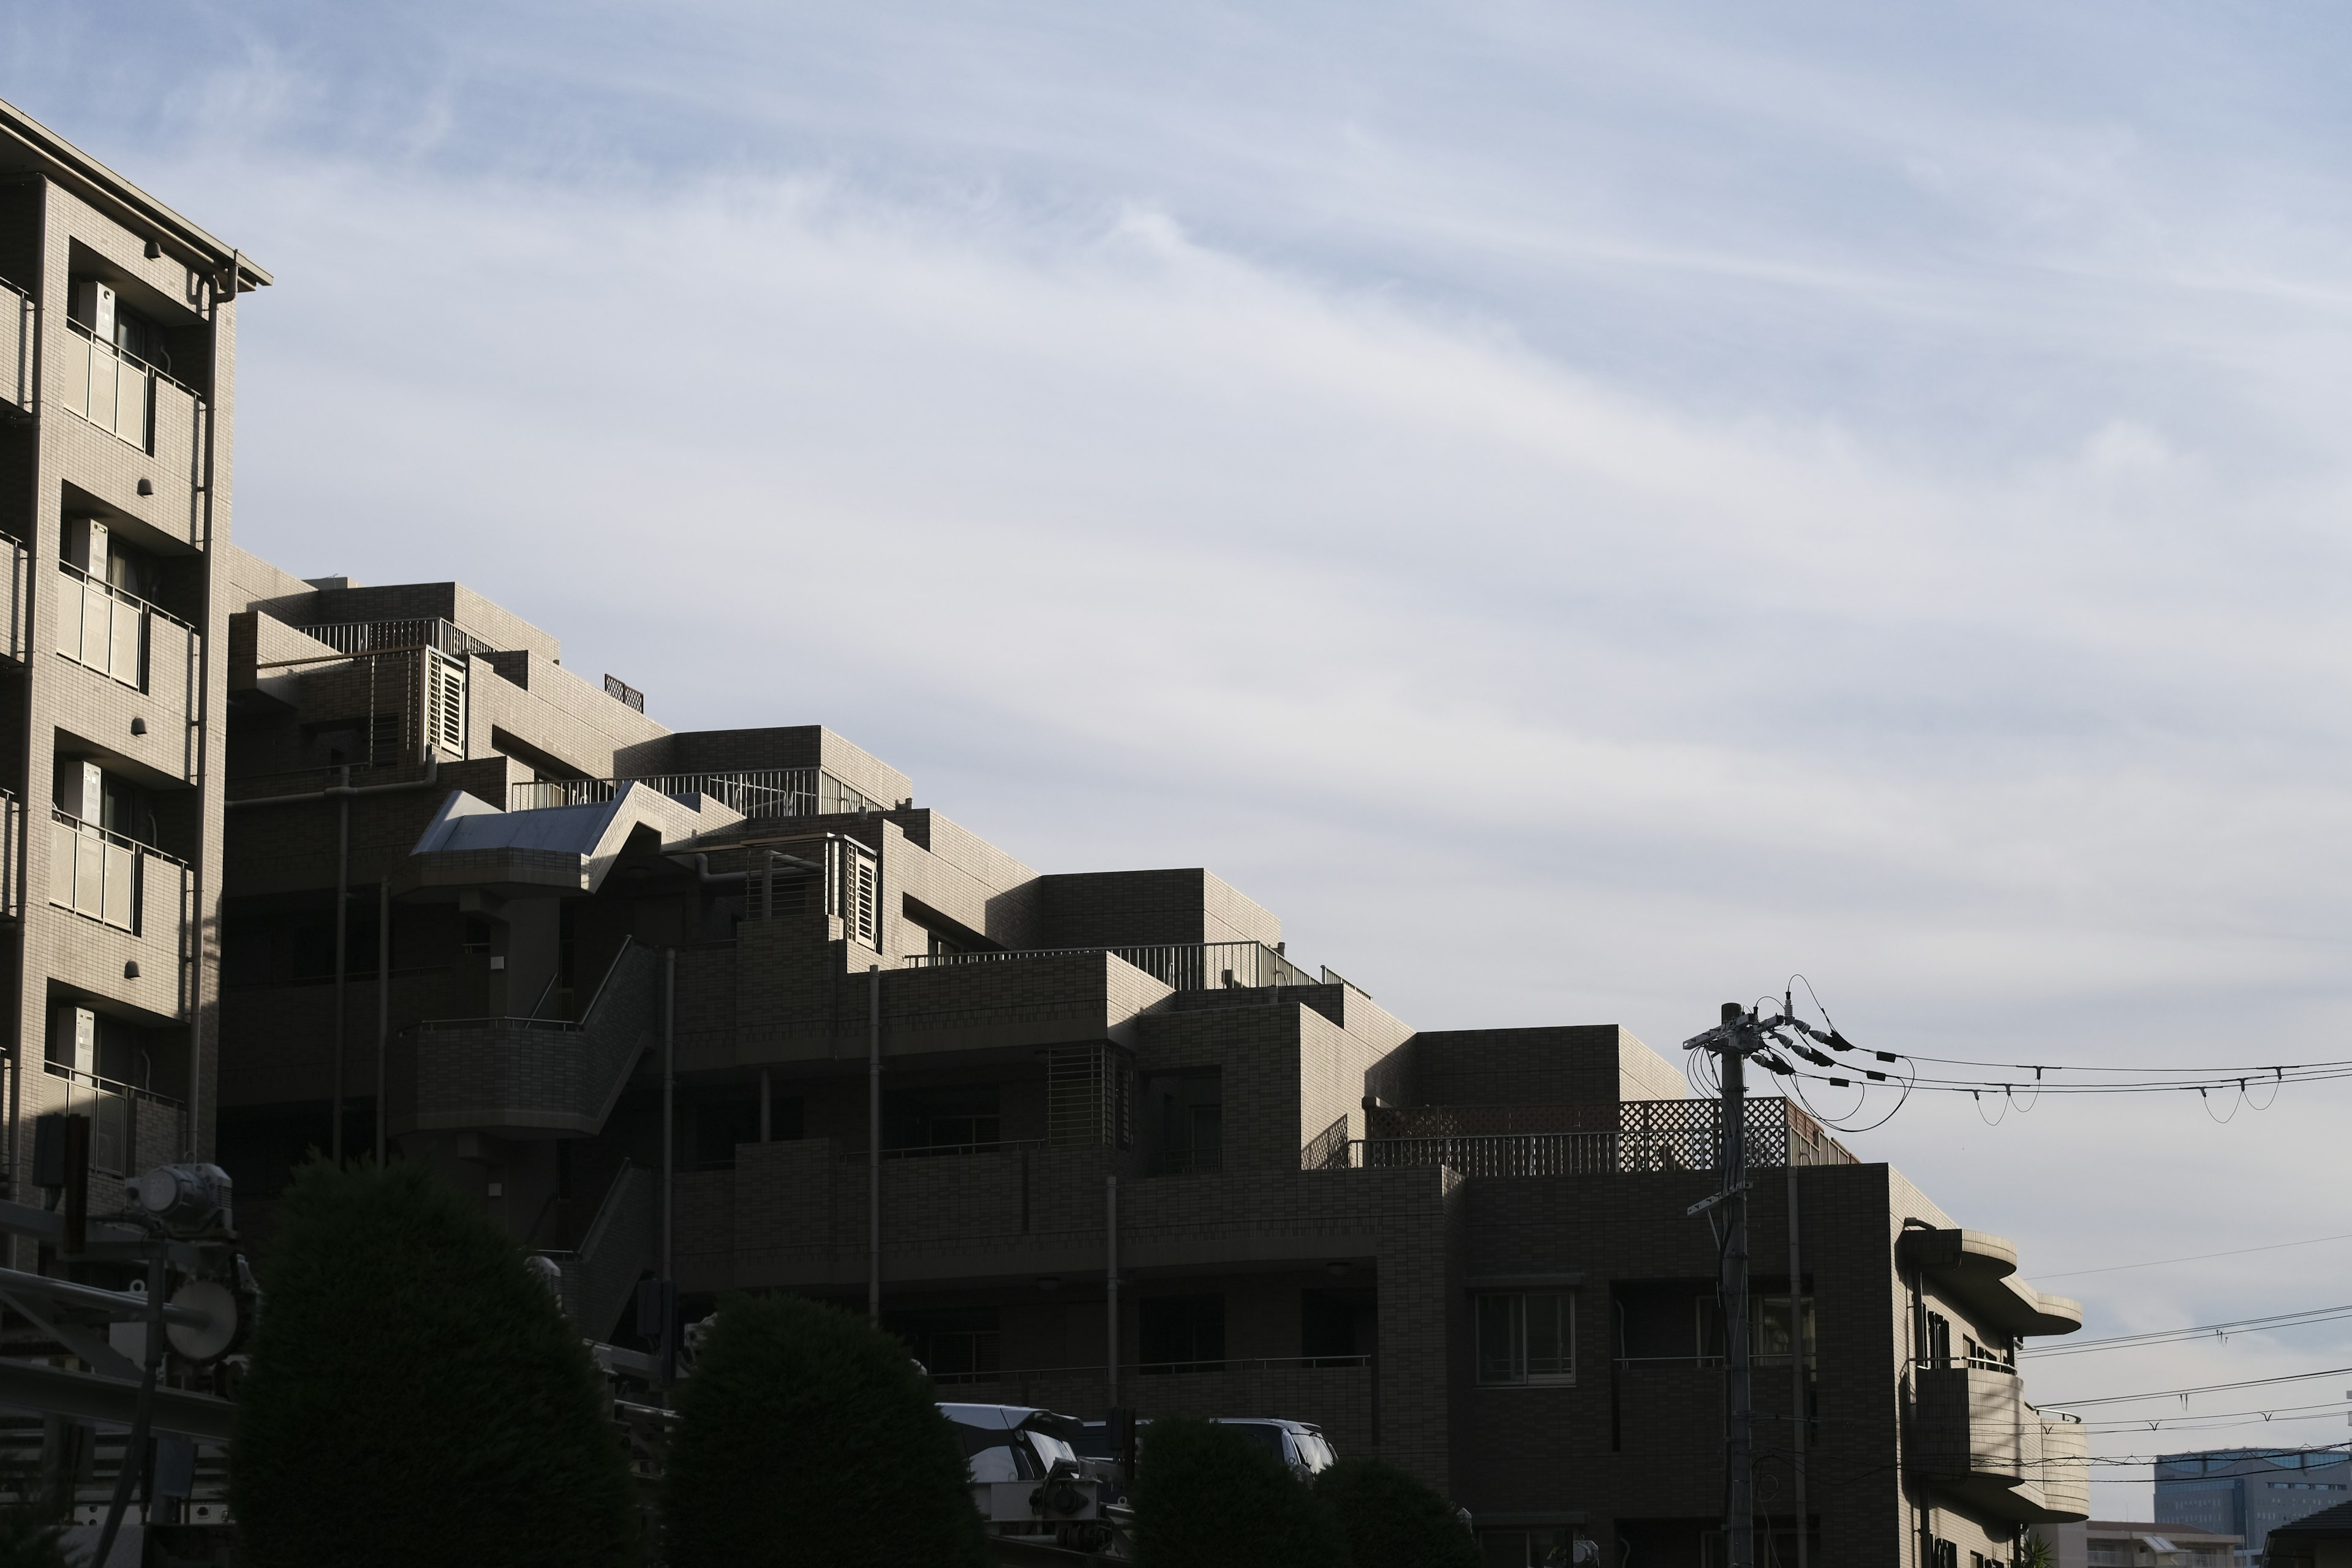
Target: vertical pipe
point(874, 1141)
point(1110, 1282)
point(342, 911)
point(1797, 1363)
point(669, 1113)
point(763, 1105)
point(1739, 1447)
point(204, 690)
point(382, 1014)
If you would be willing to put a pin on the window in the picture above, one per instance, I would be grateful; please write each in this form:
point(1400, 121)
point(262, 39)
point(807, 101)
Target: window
point(959, 1119)
point(1527, 1339)
point(1939, 1339)
point(1553, 1547)
point(1184, 1124)
point(1768, 1339)
point(1336, 1327)
point(954, 1346)
point(1943, 1553)
point(1182, 1333)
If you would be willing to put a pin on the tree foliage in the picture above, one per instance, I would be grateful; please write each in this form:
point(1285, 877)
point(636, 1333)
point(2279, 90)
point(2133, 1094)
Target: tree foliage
point(1212, 1497)
point(416, 1394)
point(806, 1435)
point(1394, 1520)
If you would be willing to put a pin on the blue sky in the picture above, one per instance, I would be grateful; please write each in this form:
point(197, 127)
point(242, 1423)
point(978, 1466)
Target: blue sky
point(1583, 510)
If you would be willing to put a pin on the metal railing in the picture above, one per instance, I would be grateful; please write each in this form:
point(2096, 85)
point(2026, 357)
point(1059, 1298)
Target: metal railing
point(754, 792)
point(855, 1154)
point(108, 630)
point(112, 387)
point(130, 1128)
point(1166, 1368)
point(388, 636)
point(103, 874)
point(1181, 966)
point(1641, 1136)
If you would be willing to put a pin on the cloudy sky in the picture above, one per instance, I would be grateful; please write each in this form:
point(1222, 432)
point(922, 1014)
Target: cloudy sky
point(1583, 510)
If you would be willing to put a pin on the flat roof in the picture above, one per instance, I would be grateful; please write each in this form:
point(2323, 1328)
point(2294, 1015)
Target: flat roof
point(30, 146)
point(2169, 1531)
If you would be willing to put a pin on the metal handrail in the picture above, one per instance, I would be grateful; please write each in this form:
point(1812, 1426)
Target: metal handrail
point(1230, 1363)
point(119, 840)
point(856, 1153)
point(754, 792)
point(158, 371)
point(1159, 959)
point(109, 1085)
point(22, 293)
point(133, 600)
point(397, 636)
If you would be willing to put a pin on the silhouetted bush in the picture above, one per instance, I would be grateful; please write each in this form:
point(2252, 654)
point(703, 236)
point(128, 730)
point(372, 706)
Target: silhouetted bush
point(416, 1395)
point(1213, 1497)
point(1393, 1519)
point(806, 1435)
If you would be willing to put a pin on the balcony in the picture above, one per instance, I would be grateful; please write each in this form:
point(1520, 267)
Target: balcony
point(117, 881)
point(444, 637)
point(1180, 967)
point(131, 1128)
point(123, 394)
point(1624, 1137)
point(756, 793)
point(1973, 1436)
point(120, 636)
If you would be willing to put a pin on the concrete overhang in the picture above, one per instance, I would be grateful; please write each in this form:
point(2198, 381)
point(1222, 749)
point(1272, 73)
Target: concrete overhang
point(1976, 1271)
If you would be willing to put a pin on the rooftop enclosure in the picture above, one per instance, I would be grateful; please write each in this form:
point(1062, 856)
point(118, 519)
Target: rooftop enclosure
point(1607, 1139)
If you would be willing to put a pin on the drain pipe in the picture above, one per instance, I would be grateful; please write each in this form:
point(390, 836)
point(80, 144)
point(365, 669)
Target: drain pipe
point(1797, 1366)
point(874, 1142)
point(669, 1119)
point(382, 1014)
point(1110, 1277)
point(342, 927)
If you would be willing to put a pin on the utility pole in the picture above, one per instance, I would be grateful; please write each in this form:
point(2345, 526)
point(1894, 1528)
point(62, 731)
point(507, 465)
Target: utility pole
point(1740, 1438)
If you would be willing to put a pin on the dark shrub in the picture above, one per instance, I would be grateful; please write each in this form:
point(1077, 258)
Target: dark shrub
point(1393, 1519)
point(806, 1435)
point(1211, 1497)
point(416, 1395)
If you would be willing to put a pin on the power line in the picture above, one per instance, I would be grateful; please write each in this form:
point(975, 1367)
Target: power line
point(2162, 1336)
point(2206, 1388)
point(2197, 1258)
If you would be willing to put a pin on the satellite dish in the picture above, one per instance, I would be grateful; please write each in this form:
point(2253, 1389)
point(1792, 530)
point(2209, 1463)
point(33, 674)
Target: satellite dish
point(217, 1302)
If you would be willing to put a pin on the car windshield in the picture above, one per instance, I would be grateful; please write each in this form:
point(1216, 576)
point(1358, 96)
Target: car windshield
point(1265, 1432)
point(1315, 1450)
point(1051, 1450)
point(996, 1454)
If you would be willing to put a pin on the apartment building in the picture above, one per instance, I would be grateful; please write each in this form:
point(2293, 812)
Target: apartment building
point(1083, 1099)
point(118, 354)
point(341, 867)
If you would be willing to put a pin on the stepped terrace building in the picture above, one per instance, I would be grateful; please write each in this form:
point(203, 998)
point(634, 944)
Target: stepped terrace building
point(327, 866)
point(1082, 1100)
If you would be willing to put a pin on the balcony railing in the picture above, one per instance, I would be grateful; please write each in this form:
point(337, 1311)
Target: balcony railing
point(101, 874)
point(1634, 1136)
point(106, 629)
point(1166, 1368)
point(131, 1128)
point(855, 1154)
point(756, 793)
point(114, 389)
point(388, 636)
point(1181, 966)
point(12, 839)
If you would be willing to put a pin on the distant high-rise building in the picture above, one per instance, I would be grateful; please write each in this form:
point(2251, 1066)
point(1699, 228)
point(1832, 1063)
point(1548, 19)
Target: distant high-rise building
point(2249, 1491)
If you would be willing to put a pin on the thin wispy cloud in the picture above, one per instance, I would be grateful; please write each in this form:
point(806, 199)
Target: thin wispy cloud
point(1583, 512)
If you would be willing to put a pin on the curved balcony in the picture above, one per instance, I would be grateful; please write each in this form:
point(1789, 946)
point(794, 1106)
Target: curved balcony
point(1975, 1438)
